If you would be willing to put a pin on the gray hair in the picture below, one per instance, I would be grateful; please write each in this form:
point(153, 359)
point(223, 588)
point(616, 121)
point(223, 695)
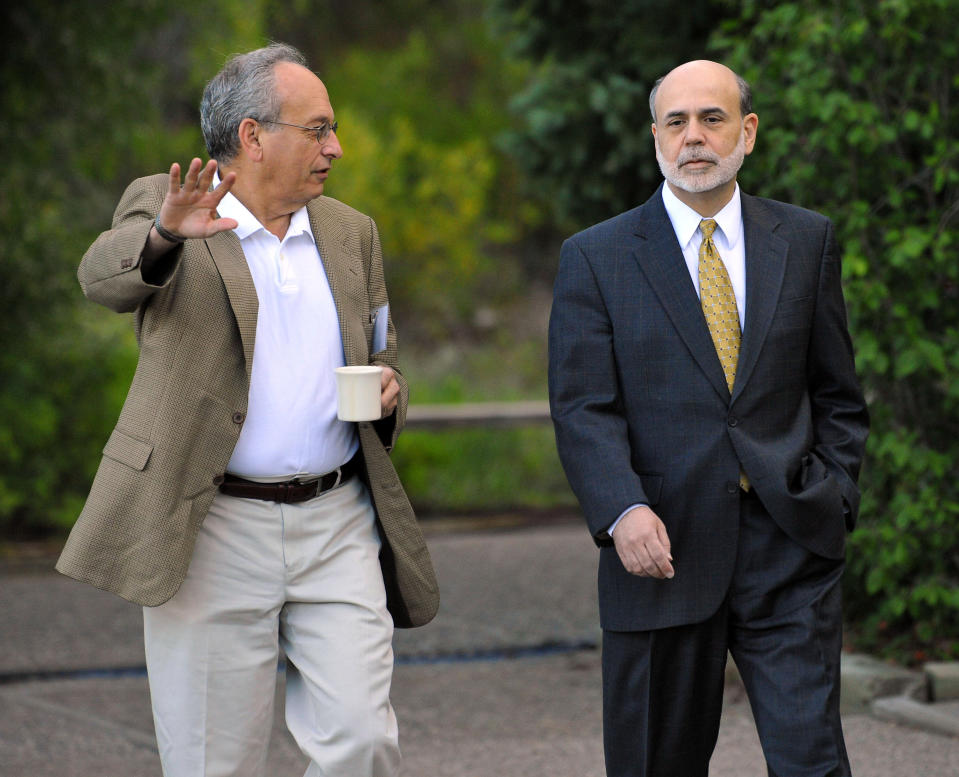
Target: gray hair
point(244, 88)
point(745, 96)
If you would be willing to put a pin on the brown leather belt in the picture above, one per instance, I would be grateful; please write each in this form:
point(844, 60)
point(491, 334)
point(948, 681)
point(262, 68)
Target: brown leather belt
point(290, 491)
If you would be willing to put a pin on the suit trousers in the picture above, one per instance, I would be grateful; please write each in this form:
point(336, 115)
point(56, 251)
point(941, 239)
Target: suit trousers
point(304, 577)
point(782, 621)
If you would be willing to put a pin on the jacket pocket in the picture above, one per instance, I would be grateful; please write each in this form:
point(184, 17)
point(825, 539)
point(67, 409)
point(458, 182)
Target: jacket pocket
point(795, 312)
point(815, 484)
point(128, 450)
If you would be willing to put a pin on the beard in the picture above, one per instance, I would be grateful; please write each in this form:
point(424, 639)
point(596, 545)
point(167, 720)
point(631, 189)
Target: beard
point(722, 171)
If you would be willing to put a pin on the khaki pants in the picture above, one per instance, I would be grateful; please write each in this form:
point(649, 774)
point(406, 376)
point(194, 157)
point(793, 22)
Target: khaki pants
point(304, 577)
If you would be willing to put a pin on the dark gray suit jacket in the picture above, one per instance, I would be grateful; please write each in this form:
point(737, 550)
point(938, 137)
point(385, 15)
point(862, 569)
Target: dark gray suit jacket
point(642, 413)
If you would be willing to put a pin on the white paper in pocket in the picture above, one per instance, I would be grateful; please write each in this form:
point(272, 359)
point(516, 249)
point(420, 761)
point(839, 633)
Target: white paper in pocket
point(381, 317)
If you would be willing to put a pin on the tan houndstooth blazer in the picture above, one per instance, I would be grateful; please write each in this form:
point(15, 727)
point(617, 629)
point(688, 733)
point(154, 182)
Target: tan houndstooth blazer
point(188, 400)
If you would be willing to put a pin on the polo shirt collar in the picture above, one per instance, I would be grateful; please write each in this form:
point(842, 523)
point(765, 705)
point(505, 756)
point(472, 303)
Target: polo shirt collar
point(248, 224)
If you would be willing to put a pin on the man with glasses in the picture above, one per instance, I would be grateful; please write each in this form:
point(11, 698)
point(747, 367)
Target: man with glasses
point(230, 501)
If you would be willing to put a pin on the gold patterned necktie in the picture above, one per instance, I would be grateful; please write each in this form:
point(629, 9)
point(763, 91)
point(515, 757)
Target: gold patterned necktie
point(719, 303)
point(719, 306)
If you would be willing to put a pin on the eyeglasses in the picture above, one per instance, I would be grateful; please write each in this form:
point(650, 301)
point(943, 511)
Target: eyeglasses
point(322, 132)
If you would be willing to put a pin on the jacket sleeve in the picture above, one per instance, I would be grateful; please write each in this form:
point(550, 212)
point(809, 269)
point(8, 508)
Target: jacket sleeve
point(839, 414)
point(592, 435)
point(110, 272)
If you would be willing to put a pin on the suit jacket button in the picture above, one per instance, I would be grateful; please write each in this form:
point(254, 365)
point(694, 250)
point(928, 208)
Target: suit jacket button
point(238, 417)
point(731, 487)
point(218, 479)
point(732, 421)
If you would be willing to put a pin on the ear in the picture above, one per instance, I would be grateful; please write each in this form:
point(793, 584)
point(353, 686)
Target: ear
point(249, 135)
point(750, 124)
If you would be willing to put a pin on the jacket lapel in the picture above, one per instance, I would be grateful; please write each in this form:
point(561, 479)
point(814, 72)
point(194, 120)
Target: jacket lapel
point(766, 255)
point(343, 273)
point(660, 258)
point(230, 262)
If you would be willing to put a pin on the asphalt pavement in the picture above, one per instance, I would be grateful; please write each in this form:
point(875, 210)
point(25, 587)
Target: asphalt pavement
point(504, 683)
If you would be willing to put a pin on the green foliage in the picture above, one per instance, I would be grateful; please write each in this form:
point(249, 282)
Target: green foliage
point(585, 140)
point(428, 201)
point(57, 407)
point(419, 158)
point(96, 94)
point(91, 97)
point(326, 30)
point(482, 469)
point(859, 119)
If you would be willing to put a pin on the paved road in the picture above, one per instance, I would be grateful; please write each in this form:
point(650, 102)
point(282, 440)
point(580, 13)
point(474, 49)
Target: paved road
point(504, 683)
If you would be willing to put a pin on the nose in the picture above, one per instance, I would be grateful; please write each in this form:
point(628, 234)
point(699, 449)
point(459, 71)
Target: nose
point(332, 147)
point(694, 133)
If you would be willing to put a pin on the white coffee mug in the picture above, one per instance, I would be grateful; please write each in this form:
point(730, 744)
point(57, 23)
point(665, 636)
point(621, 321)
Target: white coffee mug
point(358, 393)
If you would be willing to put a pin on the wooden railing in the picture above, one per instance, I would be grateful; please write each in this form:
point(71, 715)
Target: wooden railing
point(488, 414)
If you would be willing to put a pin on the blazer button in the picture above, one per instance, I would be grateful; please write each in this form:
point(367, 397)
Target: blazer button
point(238, 417)
point(732, 420)
point(218, 479)
point(731, 487)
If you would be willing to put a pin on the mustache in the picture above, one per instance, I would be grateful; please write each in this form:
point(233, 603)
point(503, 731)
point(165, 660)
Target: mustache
point(696, 155)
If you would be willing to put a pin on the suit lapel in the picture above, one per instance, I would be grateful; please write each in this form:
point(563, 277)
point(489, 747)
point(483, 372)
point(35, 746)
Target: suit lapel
point(660, 258)
point(765, 269)
point(343, 273)
point(230, 262)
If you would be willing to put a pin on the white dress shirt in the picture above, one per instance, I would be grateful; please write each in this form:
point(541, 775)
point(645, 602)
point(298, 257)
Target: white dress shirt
point(291, 426)
point(730, 242)
point(728, 238)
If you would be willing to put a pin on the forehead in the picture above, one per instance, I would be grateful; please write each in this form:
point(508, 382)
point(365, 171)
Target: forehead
point(696, 88)
point(303, 95)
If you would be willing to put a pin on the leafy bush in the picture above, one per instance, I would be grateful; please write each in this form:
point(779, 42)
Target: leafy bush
point(859, 119)
point(87, 106)
point(419, 157)
point(583, 138)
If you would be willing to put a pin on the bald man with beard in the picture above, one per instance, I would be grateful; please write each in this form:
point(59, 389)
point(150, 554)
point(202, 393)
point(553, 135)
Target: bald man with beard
point(709, 419)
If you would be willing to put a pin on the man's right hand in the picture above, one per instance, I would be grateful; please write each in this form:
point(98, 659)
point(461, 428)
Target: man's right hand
point(189, 210)
point(643, 545)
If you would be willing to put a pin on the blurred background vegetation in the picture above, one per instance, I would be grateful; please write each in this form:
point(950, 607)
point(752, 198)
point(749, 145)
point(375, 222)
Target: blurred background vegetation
point(478, 134)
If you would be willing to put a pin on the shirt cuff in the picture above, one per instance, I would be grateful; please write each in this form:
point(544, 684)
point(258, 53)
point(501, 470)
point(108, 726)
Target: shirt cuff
point(622, 515)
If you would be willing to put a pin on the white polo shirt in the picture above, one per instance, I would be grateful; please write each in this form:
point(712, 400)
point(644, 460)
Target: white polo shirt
point(291, 426)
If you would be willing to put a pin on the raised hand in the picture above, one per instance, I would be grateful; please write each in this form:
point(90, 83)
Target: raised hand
point(189, 209)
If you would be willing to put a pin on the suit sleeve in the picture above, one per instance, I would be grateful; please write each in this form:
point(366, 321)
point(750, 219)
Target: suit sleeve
point(592, 435)
point(839, 413)
point(390, 427)
point(110, 272)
